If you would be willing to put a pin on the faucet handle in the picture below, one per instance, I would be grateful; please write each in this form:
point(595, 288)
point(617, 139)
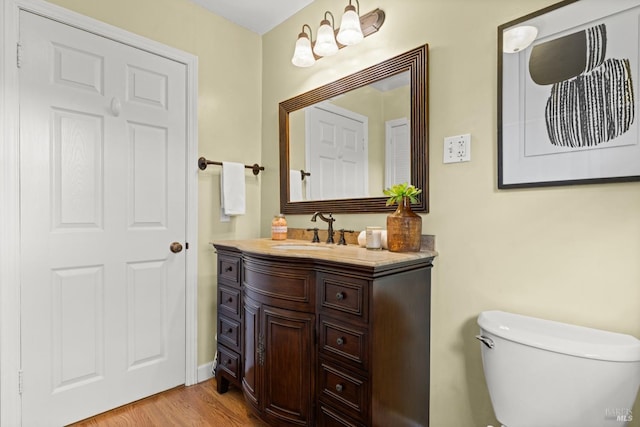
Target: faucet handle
point(341, 241)
point(315, 239)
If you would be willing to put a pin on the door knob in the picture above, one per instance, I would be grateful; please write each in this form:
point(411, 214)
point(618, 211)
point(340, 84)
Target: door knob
point(116, 107)
point(175, 247)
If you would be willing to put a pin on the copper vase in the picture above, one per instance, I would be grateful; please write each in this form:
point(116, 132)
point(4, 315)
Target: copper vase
point(404, 229)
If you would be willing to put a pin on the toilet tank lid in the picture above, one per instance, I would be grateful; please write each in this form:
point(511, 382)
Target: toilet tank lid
point(561, 337)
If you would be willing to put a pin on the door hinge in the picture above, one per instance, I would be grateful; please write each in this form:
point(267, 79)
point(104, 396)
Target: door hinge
point(20, 381)
point(19, 55)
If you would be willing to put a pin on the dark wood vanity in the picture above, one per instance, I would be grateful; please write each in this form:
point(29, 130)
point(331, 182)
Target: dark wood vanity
point(325, 335)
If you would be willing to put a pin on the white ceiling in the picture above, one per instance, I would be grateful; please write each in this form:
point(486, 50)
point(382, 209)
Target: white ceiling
point(259, 16)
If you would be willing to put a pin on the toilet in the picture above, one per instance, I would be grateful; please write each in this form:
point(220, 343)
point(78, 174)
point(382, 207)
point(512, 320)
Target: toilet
point(542, 373)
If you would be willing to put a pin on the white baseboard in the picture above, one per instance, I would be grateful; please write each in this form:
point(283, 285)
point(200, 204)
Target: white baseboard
point(205, 371)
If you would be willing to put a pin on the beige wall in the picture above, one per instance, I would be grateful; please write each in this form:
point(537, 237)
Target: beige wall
point(567, 253)
point(229, 113)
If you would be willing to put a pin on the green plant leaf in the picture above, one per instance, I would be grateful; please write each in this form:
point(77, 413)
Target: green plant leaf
point(399, 191)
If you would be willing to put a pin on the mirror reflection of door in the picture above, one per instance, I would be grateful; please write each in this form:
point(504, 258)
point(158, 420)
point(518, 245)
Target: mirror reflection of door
point(336, 153)
point(397, 152)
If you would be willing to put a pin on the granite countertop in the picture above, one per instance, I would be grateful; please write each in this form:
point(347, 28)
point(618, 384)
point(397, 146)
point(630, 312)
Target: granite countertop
point(349, 254)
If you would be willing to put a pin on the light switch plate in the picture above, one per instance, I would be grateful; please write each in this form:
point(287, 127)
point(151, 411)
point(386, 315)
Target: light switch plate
point(457, 149)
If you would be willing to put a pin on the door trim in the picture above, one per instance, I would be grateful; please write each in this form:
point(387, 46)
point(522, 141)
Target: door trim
point(10, 402)
point(388, 125)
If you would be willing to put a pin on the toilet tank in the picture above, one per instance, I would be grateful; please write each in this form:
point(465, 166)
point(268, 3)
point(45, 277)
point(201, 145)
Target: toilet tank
point(542, 373)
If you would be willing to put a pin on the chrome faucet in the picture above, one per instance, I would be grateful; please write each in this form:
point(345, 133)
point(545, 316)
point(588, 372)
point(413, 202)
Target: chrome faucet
point(330, 220)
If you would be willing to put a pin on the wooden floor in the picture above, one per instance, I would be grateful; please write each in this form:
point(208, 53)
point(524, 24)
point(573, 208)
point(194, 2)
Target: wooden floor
point(194, 406)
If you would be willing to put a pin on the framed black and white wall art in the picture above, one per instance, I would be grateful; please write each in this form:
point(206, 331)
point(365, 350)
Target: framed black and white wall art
point(568, 78)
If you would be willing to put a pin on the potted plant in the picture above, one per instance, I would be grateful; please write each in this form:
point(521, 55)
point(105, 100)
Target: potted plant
point(404, 227)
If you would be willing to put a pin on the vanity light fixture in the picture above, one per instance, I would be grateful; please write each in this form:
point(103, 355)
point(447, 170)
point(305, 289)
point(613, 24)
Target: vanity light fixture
point(518, 38)
point(352, 30)
point(326, 40)
point(303, 55)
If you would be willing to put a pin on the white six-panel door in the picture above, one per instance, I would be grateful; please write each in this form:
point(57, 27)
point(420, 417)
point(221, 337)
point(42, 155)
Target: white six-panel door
point(102, 149)
point(336, 153)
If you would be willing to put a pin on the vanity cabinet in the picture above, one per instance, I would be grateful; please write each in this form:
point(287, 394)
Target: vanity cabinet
point(338, 337)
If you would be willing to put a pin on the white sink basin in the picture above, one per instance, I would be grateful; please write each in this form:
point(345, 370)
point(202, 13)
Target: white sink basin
point(299, 247)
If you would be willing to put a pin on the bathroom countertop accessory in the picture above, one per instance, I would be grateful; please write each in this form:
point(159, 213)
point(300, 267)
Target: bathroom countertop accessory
point(279, 227)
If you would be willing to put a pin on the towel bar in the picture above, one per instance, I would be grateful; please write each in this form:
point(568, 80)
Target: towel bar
point(202, 164)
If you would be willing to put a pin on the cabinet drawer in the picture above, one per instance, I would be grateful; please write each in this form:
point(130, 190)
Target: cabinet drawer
point(345, 294)
point(229, 301)
point(229, 269)
point(229, 333)
point(348, 342)
point(331, 418)
point(343, 389)
point(284, 285)
point(228, 361)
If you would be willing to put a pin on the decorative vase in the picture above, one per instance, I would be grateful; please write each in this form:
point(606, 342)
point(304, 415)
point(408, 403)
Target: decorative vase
point(404, 229)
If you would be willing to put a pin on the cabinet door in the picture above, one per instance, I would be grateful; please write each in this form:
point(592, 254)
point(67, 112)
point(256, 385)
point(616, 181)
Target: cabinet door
point(252, 344)
point(288, 365)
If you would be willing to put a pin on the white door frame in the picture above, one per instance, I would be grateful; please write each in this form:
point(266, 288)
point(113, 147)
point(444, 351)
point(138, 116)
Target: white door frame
point(10, 403)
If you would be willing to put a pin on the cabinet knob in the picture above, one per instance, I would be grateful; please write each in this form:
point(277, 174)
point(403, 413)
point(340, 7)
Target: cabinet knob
point(228, 361)
point(340, 341)
point(339, 388)
point(340, 296)
point(229, 330)
point(230, 299)
point(228, 269)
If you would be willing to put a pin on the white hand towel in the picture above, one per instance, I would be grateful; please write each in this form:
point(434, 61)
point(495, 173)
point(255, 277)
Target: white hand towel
point(295, 186)
point(232, 192)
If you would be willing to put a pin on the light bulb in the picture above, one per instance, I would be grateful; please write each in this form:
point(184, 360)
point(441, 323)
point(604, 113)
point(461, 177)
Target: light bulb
point(302, 55)
point(326, 42)
point(350, 31)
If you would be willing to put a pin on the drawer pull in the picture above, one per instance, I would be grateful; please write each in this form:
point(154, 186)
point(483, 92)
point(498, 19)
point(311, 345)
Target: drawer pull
point(228, 361)
point(230, 330)
point(260, 349)
point(340, 296)
point(230, 299)
point(339, 388)
point(228, 269)
point(340, 341)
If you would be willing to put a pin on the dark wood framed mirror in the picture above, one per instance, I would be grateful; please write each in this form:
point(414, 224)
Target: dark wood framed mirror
point(412, 65)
